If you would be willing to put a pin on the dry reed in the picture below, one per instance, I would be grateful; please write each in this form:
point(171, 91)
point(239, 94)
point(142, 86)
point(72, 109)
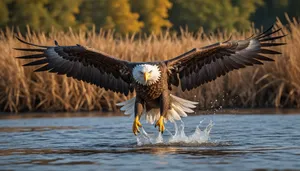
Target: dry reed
point(275, 84)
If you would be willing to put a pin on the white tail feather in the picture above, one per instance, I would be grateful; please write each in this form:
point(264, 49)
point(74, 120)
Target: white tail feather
point(184, 108)
point(184, 102)
point(128, 106)
point(126, 102)
point(178, 108)
point(174, 114)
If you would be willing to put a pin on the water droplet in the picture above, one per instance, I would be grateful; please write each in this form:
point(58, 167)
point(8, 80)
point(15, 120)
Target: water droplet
point(179, 136)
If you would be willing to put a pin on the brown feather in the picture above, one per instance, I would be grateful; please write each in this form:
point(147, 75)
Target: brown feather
point(201, 65)
point(83, 64)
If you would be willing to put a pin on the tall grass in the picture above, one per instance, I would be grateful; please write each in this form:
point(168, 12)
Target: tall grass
point(275, 84)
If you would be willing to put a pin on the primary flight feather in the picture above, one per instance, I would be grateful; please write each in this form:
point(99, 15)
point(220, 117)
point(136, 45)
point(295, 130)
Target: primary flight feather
point(153, 81)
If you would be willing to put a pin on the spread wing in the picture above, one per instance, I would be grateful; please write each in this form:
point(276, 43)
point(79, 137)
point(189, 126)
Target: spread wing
point(82, 63)
point(201, 65)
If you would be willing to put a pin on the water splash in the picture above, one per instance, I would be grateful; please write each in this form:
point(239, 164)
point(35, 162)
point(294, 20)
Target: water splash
point(198, 137)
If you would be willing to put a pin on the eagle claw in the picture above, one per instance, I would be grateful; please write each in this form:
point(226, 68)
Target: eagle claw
point(136, 125)
point(160, 124)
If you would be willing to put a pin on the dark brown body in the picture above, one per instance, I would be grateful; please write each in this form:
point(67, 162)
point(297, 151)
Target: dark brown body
point(153, 96)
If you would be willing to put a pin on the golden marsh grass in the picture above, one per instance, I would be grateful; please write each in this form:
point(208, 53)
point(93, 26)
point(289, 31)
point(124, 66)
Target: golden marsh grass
point(275, 84)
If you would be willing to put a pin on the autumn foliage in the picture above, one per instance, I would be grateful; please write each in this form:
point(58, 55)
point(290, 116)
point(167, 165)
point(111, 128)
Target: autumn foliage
point(144, 16)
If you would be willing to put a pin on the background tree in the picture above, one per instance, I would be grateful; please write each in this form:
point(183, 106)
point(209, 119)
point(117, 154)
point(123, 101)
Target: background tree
point(42, 15)
point(4, 13)
point(152, 16)
point(110, 14)
point(62, 13)
point(212, 15)
point(32, 13)
point(92, 13)
point(293, 8)
point(245, 10)
point(120, 17)
point(154, 13)
point(266, 14)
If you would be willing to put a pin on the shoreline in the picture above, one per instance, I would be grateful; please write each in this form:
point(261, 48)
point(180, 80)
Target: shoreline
point(237, 111)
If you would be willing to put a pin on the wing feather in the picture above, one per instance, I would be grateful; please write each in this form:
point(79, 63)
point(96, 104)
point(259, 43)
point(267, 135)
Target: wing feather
point(82, 63)
point(201, 65)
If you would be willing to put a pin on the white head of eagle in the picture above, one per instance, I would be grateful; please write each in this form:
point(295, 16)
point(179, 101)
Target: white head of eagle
point(146, 74)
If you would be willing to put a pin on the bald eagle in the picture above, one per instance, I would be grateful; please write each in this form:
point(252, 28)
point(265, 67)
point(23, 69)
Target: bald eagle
point(153, 81)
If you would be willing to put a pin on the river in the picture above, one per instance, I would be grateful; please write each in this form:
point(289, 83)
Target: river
point(219, 142)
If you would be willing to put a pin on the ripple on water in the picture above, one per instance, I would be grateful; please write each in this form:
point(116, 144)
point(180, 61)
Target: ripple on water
point(86, 143)
point(38, 128)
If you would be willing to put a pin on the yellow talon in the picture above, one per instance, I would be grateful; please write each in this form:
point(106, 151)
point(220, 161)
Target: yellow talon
point(136, 125)
point(160, 124)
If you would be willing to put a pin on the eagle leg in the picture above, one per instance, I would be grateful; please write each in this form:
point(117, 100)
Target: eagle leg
point(164, 107)
point(160, 124)
point(138, 111)
point(136, 124)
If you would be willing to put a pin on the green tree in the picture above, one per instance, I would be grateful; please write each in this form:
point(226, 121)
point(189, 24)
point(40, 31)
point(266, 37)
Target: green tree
point(212, 15)
point(120, 17)
point(92, 13)
point(4, 13)
point(293, 8)
point(110, 14)
point(245, 10)
point(266, 15)
point(62, 13)
point(41, 15)
point(154, 14)
point(32, 13)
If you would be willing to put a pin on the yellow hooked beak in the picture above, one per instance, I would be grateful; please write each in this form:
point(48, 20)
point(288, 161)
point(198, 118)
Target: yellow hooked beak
point(146, 76)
